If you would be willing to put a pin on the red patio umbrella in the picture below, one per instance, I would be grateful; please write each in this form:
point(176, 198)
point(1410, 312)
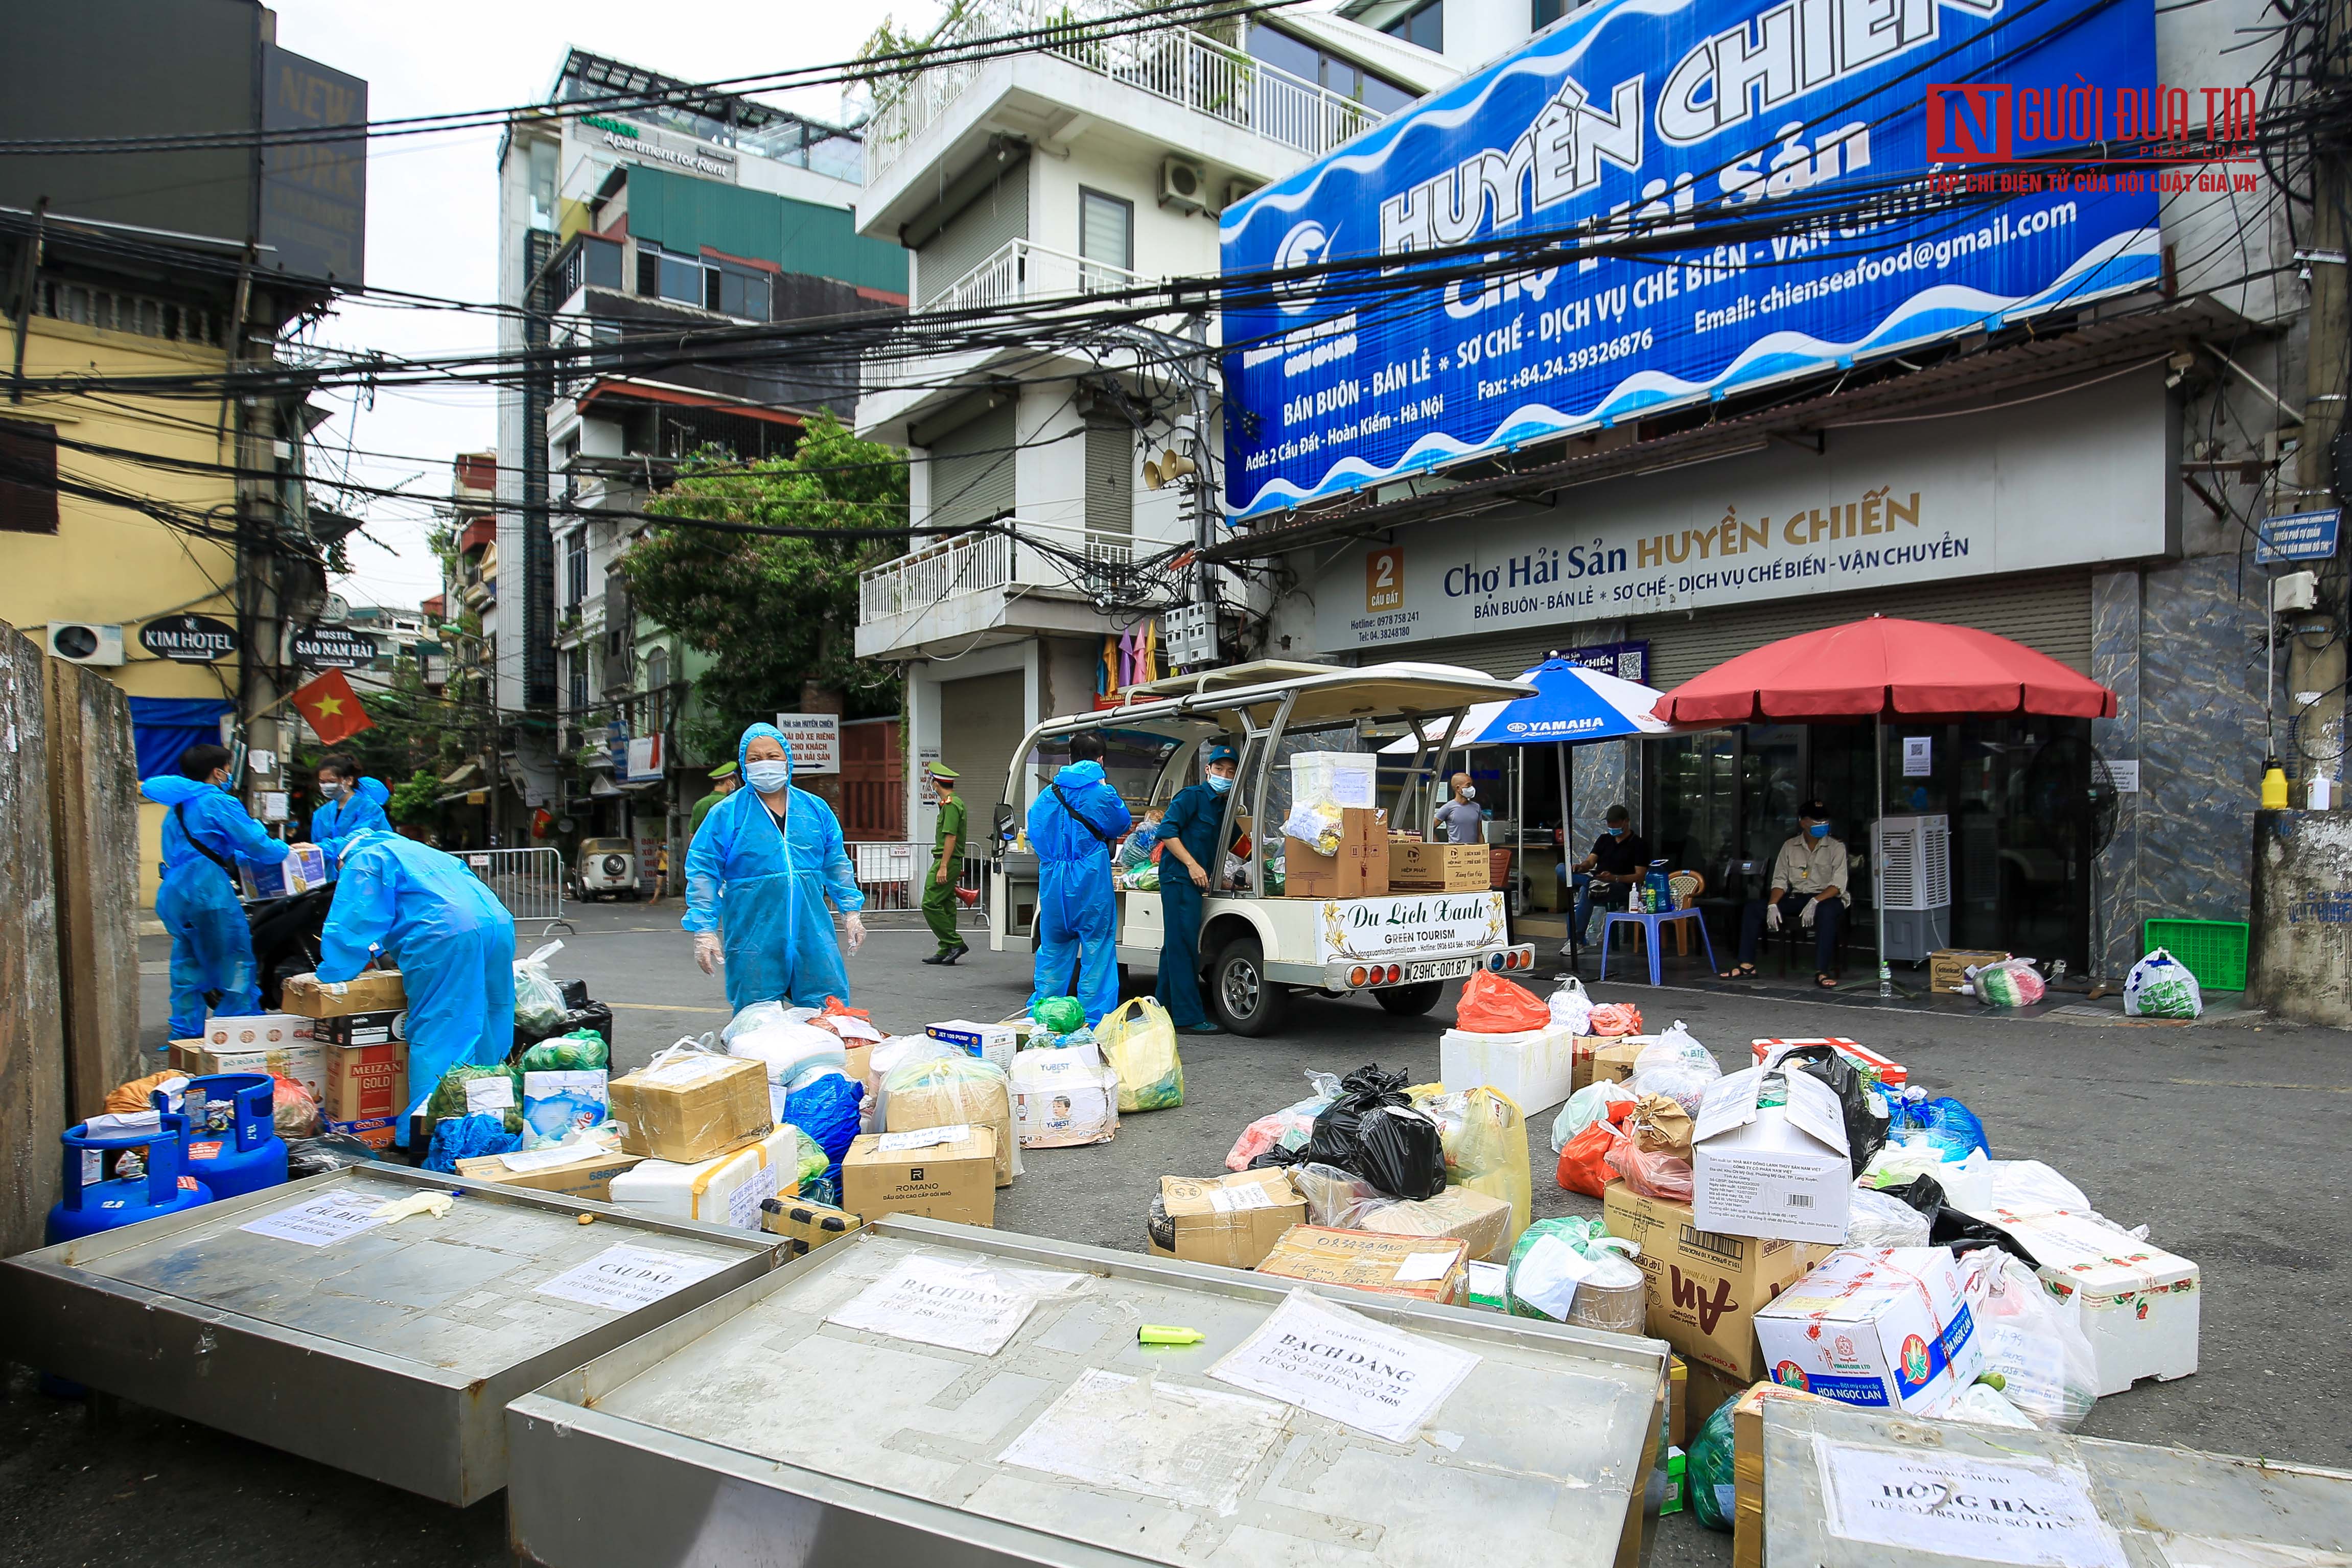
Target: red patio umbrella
point(1882, 668)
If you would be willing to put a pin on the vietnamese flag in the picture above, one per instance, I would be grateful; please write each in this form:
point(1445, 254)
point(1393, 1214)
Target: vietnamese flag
point(332, 709)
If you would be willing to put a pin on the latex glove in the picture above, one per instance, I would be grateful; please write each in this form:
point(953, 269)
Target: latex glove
point(707, 952)
point(855, 929)
point(1772, 916)
point(1813, 907)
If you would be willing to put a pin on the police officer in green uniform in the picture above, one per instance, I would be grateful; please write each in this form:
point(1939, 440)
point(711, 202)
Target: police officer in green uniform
point(940, 892)
point(722, 784)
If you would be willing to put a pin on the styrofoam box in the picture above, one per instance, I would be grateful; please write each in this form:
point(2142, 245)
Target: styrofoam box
point(2140, 1304)
point(1536, 1068)
point(726, 1191)
point(1342, 778)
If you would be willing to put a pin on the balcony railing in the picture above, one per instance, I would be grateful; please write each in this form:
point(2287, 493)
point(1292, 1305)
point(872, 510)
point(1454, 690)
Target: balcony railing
point(975, 564)
point(1176, 64)
point(1022, 270)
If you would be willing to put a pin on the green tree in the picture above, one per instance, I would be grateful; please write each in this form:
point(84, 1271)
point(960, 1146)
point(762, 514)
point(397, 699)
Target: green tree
point(417, 803)
point(777, 616)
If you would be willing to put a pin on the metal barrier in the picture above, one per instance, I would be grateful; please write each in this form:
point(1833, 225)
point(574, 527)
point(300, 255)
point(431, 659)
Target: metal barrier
point(529, 883)
point(890, 875)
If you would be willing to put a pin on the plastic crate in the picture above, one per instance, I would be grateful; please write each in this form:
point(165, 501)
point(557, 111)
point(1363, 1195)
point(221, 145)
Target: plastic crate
point(2212, 950)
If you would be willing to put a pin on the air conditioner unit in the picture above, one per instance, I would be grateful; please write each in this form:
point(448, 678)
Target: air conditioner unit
point(1239, 190)
point(1183, 184)
point(86, 642)
point(1912, 868)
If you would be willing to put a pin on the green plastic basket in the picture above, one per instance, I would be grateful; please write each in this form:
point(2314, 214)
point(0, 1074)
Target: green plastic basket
point(2212, 950)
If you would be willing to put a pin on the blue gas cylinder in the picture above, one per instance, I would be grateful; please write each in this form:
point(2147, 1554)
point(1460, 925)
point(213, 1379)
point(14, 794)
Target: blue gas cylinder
point(125, 1200)
point(233, 1142)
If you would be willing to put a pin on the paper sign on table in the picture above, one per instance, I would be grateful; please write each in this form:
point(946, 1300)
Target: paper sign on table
point(550, 1159)
point(922, 1138)
point(623, 1276)
point(321, 1220)
point(1997, 1511)
point(959, 1306)
point(1322, 1357)
point(1190, 1446)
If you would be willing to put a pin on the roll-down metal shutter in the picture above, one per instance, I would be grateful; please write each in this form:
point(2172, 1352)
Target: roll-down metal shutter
point(998, 216)
point(972, 470)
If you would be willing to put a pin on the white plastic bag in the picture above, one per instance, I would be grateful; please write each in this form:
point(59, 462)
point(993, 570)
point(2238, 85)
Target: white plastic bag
point(1676, 1065)
point(1337, 1199)
point(538, 1000)
point(1316, 824)
point(1966, 1184)
point(2160, 986)
point(1570, 1006)
point(1586, 1106)
point(1874, 1219)
point(896, 1052)
point(2034, 1340)
point(1982, 1404)
point(786, 1049)
point(2024, 1186)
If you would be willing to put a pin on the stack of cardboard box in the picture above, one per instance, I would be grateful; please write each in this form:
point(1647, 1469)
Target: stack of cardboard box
point(360, 1027)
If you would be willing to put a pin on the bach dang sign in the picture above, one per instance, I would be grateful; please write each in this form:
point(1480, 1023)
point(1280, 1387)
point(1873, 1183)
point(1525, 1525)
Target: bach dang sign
point(1660, 115)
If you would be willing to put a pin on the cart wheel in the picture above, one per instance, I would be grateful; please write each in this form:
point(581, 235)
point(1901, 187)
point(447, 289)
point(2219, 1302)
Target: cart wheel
point(1410, 1001)
point(1246, 1001)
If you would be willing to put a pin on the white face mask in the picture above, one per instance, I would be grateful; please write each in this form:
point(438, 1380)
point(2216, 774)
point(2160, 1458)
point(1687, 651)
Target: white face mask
point(768, 777)
point(1469, 792)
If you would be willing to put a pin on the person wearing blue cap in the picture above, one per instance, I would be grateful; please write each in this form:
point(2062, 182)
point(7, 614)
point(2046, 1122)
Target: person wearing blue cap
point(1072, 826)
point(1190, 830)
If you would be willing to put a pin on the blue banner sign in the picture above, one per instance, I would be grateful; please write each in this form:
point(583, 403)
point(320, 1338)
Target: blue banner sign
point(1682, 113)
point(2297, 535)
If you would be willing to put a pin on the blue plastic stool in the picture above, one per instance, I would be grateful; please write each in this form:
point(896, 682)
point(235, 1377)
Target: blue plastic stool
point(1651, 922)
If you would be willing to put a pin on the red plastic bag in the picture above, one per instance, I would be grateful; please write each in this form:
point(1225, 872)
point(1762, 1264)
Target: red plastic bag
point(1617, 1019)
point(293, 1110)
point(1584, 1159)
point(1493, 1004)
point(1652, 1176)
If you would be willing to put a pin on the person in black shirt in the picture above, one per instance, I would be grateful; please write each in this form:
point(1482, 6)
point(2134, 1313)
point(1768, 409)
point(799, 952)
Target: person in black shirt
point(1619, 859)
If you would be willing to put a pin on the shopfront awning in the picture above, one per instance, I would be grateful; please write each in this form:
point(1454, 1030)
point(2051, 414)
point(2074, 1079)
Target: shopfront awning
point(1964, 372)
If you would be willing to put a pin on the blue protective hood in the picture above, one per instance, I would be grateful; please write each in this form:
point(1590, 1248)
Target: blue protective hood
point(744, 746)
point(1079, 773)
point(171, 789)
point(371, 790)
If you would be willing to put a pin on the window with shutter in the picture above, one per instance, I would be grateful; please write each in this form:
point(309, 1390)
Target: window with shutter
point(972, 471)
point(29, 479)
point(1000, 216)
point(1106, 234)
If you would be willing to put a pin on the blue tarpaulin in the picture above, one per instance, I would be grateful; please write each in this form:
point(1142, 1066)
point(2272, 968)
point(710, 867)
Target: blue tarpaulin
point(163, 728)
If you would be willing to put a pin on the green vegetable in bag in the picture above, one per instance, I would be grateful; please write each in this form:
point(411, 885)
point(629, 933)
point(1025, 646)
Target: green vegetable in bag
point(456, 1094)
point(582, 1050)
point(1707, 1482)
point(1060, 1015)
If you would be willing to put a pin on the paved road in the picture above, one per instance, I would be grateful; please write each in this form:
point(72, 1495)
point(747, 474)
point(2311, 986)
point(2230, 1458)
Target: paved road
point(2228, 1140)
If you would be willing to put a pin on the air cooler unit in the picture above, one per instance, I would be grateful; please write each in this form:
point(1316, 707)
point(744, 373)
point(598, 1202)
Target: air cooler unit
point(1913, 856)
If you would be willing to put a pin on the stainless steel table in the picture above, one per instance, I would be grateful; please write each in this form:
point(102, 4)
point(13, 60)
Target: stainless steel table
point(390, 1353)
point(750, 1430)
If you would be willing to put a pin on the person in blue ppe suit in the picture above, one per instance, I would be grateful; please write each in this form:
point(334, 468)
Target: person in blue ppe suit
point(352, 805)
point(424, 913)
point(205, 833)
point(1072, 826)
point(756, 876)
point(1190, 830)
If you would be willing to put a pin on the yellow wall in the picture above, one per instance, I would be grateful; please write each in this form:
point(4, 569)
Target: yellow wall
point(108, 564)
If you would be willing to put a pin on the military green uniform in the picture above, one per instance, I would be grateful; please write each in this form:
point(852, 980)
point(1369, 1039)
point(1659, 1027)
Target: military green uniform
point(939, 897)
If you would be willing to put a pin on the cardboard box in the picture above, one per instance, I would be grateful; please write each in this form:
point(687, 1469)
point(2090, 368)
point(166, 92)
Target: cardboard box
point(2140, 1304)
point(1232, 1221)
point(1365, 1262)
point(1613, 1062)
point(1770, 1170)
point(1677, 1464)
point(1948, 967)
point(1359, 869)
point(378, 1027)
point(958, 1098)
point(302, 1061)
point(808, 1225)
point(1747, 1471)
point(992, 1042)
point(257, 1031)
point(370, 990)
point(1869, 1063)
point(1537, 1069)
point(1882, 1330)
point(588, 1178)
point(954, 1180)
point(1463, 1213)
point(1437, 868)
point(365, 1082)
point(1710, 1390)
point(374, 1131)
point(692, 1108)
point(1704, 1289)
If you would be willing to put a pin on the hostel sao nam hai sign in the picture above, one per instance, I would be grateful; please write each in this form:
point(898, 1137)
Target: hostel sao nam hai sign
point(1655, 115)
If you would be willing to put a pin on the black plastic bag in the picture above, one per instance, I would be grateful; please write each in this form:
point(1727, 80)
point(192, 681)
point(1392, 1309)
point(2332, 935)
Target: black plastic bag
point(1401, 1151)
point(596, 1016)
point(333, 1152)
point(1865, 1130)
point(575, 994)
point(1335, 1141)
point(1948, 1226)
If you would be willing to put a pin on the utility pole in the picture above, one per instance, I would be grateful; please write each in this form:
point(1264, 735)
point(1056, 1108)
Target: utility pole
point(2316, 639)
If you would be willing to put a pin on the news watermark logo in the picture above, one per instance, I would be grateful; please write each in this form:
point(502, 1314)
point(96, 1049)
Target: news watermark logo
point(2087, 136)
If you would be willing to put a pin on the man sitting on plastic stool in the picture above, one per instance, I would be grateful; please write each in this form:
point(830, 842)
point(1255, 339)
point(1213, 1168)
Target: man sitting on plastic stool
point(1809, 883)
point(1618, 859)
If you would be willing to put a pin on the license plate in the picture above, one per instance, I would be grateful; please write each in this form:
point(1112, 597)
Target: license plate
point(1439, 969)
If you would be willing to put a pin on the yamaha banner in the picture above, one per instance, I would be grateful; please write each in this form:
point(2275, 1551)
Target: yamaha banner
point(1699, 114)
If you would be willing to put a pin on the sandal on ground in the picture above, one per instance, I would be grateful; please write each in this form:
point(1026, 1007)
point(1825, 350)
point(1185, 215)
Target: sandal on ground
point(1737, 972)
point(1826, 982)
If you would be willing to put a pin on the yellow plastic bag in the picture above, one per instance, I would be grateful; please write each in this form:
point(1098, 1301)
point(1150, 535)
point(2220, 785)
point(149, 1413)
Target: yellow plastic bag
point(1139, 1040)
point(1486, 1138)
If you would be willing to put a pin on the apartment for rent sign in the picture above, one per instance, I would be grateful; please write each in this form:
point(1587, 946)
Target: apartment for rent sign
point(1657, 114)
